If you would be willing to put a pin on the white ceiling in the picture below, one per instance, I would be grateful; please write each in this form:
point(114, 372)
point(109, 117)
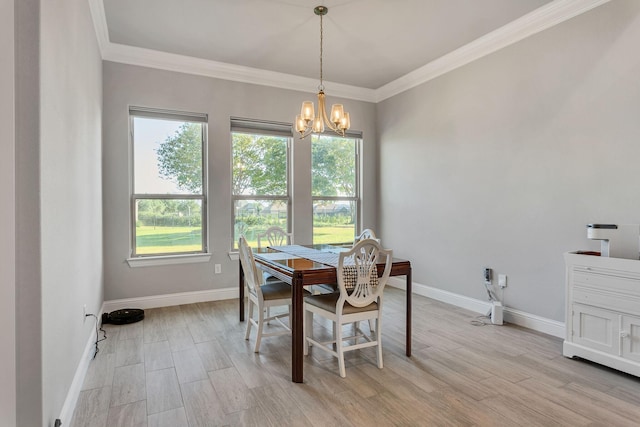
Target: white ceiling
point(372, 48)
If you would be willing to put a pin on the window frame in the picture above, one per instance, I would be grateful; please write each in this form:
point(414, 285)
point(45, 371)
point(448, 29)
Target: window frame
point(267, 128)
point(357, 197)
point(136, 259)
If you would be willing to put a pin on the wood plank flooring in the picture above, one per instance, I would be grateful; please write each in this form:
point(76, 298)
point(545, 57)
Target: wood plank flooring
point(189, 366)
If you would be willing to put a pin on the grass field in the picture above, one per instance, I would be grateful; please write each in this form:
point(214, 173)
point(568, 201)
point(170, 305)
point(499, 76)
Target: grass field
point(162, 240)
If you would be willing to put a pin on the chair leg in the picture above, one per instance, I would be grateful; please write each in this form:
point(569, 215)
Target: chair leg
point(371, 326)
point(248, 320)
point(379, 340)
point(268, 315)
point(338, 336)
point(260, 327)
point(308, 330)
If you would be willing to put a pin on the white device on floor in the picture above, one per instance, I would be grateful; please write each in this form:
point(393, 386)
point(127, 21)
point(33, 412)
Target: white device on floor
point(496, 312)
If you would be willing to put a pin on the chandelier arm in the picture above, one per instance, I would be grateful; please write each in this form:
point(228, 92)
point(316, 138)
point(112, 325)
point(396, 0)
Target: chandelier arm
point(323, 112)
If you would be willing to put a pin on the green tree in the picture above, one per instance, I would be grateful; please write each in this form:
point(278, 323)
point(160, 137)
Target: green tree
point(180, 157)
point(259, 165)
point(333, 171)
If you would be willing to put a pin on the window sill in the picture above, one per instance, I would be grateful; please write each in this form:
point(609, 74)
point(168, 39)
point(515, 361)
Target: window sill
point(168, 260)
point(234, 255)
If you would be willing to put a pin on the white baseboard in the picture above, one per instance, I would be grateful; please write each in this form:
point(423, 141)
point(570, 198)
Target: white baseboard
point(517, 317)
point(70, 401)
point(167, 300)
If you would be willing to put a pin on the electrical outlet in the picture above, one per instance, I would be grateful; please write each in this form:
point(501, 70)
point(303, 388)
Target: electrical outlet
point(487, 276)
point(218, 268)
point(502, 280)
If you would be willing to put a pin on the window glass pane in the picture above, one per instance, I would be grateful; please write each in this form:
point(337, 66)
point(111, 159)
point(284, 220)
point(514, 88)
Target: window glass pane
point(333, 165)
point(259, 165)
point(334, 221)
point(252, 217)
point(167, 156)
point(166, 226)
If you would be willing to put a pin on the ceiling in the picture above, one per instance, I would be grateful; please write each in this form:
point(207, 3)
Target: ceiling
point(369, 45)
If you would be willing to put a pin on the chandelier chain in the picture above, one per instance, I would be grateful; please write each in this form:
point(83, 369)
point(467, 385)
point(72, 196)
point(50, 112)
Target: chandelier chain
point(321, 87)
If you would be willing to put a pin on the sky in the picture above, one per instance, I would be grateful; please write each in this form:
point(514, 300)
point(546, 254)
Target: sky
point(148, 135)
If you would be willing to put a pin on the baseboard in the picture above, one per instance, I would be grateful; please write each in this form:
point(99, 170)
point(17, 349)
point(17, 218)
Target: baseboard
point(517, 317)
point(537, 323)
point(70, 401)
point(167, 300)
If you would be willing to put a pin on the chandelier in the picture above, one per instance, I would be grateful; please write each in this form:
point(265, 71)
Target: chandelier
point(307, 122)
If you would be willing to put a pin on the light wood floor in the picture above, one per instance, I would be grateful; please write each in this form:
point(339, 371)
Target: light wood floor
point(190, 366)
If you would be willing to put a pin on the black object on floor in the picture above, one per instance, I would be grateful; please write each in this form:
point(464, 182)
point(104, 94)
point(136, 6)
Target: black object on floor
point(123, 317)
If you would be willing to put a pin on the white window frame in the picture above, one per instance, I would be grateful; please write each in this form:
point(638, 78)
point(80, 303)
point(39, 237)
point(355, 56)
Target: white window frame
point(260, 127)
point(356, 198)
point(143, 260)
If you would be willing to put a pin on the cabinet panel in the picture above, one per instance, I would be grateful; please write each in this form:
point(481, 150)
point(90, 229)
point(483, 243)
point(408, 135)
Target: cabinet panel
point(596, 328)
point(630, 335)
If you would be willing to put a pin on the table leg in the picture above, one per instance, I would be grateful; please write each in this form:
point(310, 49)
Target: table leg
point(408, 327)
point(297, 330)
point(241, 292)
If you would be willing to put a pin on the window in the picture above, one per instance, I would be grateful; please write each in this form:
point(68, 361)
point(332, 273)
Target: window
point(260, 177)
point(335, 189)
point(168, 197)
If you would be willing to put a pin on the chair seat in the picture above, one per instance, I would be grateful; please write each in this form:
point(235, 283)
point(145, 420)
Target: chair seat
point(277, 290)
point(328, 302)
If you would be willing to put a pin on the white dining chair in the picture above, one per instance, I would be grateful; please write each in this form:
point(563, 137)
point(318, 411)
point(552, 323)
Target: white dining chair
point(262, 296)
point(367, 233)
point(360, 298)
point(275, 236)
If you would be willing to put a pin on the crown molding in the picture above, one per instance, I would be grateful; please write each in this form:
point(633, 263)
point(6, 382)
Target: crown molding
point(220, 70)
point(96, 7)
point(544, 17)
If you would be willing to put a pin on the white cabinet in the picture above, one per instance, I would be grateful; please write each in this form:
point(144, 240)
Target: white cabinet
point(630, 334)
point(603, 311)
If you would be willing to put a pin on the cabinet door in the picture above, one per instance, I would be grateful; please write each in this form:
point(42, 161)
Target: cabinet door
point(596, 328)
point(630, 335)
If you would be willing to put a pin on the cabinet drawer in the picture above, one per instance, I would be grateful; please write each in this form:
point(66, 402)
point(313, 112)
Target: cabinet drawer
point(607, 299)
point(613, 280)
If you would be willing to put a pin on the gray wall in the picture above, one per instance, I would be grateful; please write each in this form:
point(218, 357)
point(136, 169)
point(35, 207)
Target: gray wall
point(70, 192)
point(58, 200)
point(504, 161)
point(27, 191)
point(126, 85)
point(7, 217)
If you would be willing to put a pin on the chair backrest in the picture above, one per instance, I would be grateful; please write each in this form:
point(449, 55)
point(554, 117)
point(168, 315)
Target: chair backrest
point(251, 275)
point(358, 279)
point(275, 236)
point(367, 233)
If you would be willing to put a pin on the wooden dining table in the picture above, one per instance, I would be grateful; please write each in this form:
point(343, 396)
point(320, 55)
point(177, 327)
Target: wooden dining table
point(307, 265)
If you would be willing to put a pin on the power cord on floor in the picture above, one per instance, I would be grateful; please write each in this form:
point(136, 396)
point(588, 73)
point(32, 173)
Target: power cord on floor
point(480, 320)
point(98, 339)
